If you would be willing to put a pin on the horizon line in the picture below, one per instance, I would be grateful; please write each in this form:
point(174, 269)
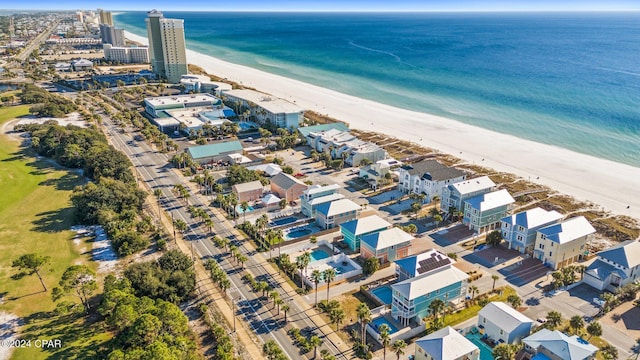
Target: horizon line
point(364, 11)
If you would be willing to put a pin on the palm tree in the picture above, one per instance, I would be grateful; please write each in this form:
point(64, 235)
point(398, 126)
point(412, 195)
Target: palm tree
point(594, 329)
point(274, 295)
point(435, 199)
point(514, 300)
point(307, 260)
point(262, 222)
point(336, 316)
point(244, 206)
point(385, 339)
point(158, 194)
point(609, 352)
point(554, 319)
point(208, 222)
point(398, 348)
point(278, 302)
point(636, 348)
point(301, 264)
point(436, 307)
point(473, 290)
point(329, 274)
point(315, 341)
point(506, 351)
point(285, 308)
point(316, 277)
point(495, 278)
point(576, 322)
point(242, 259)
point(364, 316)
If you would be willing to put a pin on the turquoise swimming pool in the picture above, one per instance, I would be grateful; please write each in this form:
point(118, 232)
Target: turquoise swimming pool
point(319, 254)
point(486, 352)
point(384, 294)
point(381, 320)
point(239, 209)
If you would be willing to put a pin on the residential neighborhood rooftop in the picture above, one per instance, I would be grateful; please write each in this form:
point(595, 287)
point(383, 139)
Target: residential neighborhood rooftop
point(473, 185)
point(568, 230)
point(435, 280)
point(285, 181)
point(422, 263)
point(503, 315)
point(324, 199)
point(532, 218)
point(432, 170)
point(365, 225)
point(203, 151)
point(248, 186)
point(314, 189)
point(626, 254)
point(387, 238)
point(491, 200)
point(446, 344)
point(306, 130)
point(561, 345)
point(337, 207)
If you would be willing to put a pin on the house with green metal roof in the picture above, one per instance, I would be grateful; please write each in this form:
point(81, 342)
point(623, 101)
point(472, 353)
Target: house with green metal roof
point(306, 130)
point(353, 231)
point(205, 154)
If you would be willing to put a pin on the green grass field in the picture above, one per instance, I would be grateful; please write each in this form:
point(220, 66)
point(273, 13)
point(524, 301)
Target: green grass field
point(35, 217)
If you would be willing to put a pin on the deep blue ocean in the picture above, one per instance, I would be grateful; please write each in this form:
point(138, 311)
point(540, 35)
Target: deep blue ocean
point(566, 79)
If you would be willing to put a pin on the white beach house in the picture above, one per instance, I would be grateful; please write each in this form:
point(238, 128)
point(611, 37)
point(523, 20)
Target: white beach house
point(503, 324)
point(562, 244)
point(615, 267)
point(427, 177)
point(454, 195)
point(446, 344)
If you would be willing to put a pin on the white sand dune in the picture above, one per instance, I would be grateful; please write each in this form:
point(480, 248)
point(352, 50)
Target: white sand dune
point(614, 186)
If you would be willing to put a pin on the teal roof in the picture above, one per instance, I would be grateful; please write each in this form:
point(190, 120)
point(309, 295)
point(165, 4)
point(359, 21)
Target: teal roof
point(306, 130)
point(199, 152)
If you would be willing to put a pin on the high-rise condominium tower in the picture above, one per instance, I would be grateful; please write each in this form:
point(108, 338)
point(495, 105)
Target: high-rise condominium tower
point(166, 46)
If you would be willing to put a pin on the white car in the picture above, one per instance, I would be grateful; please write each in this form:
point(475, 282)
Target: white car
point(598, 302)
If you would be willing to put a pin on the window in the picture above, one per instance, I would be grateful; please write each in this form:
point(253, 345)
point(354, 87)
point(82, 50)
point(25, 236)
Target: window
point(541, 246)
point(501, 332)
point(550, 253)
point(484, 320)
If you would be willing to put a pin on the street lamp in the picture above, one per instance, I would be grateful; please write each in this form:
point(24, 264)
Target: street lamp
point(173, 223)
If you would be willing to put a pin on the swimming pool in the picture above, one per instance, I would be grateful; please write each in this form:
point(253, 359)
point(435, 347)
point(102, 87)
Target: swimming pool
point(247, 125)
point(384, 294)
point(284, 220)
point(319, 254)
point(299, 232)
point(239, 209)
point(381, 320)
point(486, 352)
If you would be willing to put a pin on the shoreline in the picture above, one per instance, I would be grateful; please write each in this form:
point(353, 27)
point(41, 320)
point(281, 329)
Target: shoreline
point(607, 183)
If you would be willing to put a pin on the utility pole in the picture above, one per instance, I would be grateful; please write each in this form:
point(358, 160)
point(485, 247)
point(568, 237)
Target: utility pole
point(173, 223)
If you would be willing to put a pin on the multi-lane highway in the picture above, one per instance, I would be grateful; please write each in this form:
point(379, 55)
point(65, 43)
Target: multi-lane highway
point(153, 168)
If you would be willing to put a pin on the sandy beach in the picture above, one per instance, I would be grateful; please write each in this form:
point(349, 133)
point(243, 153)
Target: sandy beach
point(614, 186)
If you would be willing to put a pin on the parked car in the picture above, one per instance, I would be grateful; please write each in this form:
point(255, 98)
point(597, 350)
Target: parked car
point(541, 320)
point(599, 302)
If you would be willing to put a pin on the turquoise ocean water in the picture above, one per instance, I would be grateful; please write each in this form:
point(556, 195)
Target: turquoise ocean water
point(566, 79)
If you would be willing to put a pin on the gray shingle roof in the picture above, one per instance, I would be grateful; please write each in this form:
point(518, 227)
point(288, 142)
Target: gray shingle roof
point(285, 181)
point(432, 170)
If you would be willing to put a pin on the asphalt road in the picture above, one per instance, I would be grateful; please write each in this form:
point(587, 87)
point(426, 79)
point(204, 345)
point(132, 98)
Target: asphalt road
point(36, 42)
point(153, 168)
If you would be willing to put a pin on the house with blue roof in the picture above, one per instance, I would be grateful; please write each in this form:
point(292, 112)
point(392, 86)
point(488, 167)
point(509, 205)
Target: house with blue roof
point(353, 231)
point(615, 267)
point(482, 213)
point(334, 213)
point(562, 244)
point(315, 195)
point(519, 230)
point(454, 195)
point(411, 298)
point(420, 264)
point(387, 245)
point(550, 345)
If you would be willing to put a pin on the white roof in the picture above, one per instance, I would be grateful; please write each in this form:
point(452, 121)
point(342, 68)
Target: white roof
point(533, 218)
point(561, 345)
point(491, 200)
point(324, 199)
point(314, 189)
point(269, 169)
point(434, 280)
point(248, 186)
point(503, 316)
point(446, 344)
point(270, 199)
point(270, 103)
point(473, 185)
point(181, 99)
point(568, 230)
point(338, 207)
point(387, 238)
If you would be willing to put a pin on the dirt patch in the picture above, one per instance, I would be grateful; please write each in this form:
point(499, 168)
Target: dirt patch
point(625, 318)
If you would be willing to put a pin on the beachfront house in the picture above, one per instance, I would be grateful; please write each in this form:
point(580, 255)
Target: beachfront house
point(387, 245)
point(287, 187)
point(547, 344)
point(562, 244)
point(503, 324)
point(615, 267)
point(249, 191)
point(519, 230)
point(205, 154)
point(342, 144)
point(454, 195)
point(483, 212)
point(334, 213)
point(353, 231)
point(420, 264)
point(446, 344)
point(427, 177)
point(264, 108)
point(305, 132)
point(378, 173)
point(411, 298)
point(316, 195)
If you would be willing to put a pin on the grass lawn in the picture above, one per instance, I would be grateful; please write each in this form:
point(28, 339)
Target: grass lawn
point(468, 313)
point(35, 215)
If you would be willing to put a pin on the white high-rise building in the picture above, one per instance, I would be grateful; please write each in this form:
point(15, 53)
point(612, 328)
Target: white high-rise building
point(167, 48)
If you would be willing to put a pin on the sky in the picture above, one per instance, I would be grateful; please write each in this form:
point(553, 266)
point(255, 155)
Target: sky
point(335, 5)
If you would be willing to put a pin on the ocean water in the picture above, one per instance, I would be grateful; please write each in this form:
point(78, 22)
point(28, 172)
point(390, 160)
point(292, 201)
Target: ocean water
point(566, 79)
